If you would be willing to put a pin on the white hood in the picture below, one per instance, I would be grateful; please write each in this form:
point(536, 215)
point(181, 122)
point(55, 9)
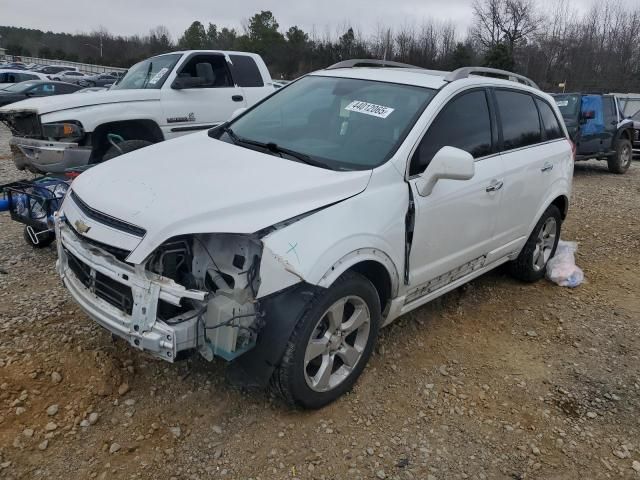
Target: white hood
point(196, 184)
point(57, 103)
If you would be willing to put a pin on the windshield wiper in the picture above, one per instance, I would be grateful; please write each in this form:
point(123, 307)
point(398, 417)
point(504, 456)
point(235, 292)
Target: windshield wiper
point(275, 148)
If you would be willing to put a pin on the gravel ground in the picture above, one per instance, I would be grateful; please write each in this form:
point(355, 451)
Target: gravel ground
point(495, 380)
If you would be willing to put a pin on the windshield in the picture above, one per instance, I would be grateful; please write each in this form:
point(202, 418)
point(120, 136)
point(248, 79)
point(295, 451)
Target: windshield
point(569, 105)
point(341, 123)
point(19, 87)
point(150, 73)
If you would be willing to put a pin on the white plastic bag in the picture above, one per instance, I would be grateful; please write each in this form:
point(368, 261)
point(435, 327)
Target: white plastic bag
point(562, 269)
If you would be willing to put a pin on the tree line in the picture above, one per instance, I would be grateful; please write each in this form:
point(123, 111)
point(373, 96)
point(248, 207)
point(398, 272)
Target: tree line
point(596, 51)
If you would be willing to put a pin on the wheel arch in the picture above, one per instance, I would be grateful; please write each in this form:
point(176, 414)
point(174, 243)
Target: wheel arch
point(562, 202)
point(625, 132)
point(371, 263)
point(135, 129)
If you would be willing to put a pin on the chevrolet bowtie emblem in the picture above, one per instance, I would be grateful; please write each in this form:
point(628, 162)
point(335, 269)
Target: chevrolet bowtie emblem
point(82, 227)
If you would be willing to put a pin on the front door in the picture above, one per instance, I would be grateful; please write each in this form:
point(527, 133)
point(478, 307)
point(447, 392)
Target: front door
point(191, 109)
point(454, 225)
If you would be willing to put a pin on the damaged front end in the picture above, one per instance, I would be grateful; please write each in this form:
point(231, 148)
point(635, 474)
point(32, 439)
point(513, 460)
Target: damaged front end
point(195, 293)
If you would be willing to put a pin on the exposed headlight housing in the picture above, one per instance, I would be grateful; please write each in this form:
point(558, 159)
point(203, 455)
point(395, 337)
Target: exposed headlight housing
point(69, 130)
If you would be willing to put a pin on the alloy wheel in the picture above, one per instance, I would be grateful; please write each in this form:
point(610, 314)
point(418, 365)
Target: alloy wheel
point(545, 243)
point(337, 343)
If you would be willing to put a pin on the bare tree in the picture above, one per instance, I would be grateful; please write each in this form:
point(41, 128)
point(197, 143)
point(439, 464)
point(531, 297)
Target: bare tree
point(508, 21)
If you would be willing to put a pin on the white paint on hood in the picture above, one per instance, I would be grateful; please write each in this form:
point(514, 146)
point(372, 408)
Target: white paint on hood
point(196, 184)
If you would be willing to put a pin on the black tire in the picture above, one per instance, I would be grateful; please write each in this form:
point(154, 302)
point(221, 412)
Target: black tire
point(44, 240)
point(125, 147)
point(523, 268)
point(290, 379)
point(621, 161)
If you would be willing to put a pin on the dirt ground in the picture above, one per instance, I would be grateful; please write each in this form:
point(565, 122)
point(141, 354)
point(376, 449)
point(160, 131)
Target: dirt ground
point(497, 380)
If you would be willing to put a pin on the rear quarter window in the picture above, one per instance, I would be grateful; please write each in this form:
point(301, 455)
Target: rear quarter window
point(520, 121)
point(550, 124)
point(245, 71)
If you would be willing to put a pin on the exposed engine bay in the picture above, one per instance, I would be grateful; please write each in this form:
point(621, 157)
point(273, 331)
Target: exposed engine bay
point(226, 267)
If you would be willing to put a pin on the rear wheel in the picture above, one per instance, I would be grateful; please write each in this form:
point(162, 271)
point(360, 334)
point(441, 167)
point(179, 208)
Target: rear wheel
point(125, 146)
point(331, 344)
point(531, 264)
point(621, 161)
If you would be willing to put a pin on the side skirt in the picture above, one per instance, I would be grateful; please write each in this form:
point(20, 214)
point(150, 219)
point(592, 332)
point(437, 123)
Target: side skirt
point(398, 306)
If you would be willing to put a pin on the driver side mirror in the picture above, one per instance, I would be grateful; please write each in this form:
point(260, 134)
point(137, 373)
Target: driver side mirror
point(449, 163)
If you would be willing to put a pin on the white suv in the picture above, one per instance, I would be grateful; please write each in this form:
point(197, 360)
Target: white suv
point(282, 240)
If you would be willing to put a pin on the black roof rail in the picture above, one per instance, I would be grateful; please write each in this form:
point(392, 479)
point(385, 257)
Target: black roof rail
point(465, 72)
point(369, 62)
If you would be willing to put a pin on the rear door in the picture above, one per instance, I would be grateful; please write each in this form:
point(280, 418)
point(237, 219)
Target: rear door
point(247, 76)
point(533, 149)
point(191, 109)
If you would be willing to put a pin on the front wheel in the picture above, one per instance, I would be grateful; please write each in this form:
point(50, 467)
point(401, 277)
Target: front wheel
point(531, 264)
point(621, 160)
point(331, 344)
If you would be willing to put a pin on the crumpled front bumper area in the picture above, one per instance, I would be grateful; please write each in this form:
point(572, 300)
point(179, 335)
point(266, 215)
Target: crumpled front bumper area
point(44, 156)
point(124, 298)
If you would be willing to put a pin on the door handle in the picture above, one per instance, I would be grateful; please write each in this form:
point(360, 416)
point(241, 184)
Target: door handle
point(547, 166)
point(237, 98)
point(495, 186)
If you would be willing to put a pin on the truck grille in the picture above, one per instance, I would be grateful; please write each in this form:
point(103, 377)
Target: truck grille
point(22, 123)
point(112, 292)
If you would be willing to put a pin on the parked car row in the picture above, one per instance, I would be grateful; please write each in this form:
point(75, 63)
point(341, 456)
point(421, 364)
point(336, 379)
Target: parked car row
point(35, 88)
point(426, 179)
point(18, 71)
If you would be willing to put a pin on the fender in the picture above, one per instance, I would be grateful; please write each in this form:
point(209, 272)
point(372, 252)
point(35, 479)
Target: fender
point(317, 249)
point(624, 126)
point(93, 117)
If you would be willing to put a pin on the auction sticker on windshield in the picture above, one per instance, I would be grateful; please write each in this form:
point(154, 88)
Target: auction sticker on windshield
point(372, 109)
point(562, 103)
point(158, 76)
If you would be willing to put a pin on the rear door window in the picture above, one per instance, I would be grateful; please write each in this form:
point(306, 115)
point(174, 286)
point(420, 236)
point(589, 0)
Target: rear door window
point(245, 71)
point(520, 121)
point(551, 126)
point(463, 123)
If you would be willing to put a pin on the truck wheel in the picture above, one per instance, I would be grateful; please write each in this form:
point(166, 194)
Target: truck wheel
point(44, 239)
point(330, 345)
point(125, 147)
point(531, 264)
point(620, 162)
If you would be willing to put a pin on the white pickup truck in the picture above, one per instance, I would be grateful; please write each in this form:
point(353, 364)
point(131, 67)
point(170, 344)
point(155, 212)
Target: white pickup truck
point(159, 98)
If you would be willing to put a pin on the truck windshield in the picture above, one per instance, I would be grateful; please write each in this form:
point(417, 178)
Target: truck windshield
point(150, 73)
point(569, 105)
point(337, 123)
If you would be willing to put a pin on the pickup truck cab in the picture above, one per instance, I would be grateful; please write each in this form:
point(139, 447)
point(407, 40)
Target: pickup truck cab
point(282, 240)
point(598, 128)
point(159, 98)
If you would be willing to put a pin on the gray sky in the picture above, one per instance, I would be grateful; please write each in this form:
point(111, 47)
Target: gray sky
point(127, 17)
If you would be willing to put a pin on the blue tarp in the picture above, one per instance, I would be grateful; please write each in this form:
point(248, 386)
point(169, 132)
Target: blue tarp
point(596, 124)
